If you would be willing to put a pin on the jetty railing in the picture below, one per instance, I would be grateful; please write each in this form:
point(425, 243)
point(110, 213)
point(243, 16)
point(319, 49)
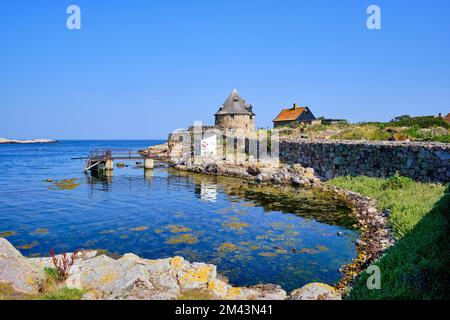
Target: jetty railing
point(103, 158)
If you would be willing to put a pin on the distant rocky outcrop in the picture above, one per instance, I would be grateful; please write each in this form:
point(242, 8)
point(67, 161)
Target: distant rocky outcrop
point(133, 278)
point(13, 141)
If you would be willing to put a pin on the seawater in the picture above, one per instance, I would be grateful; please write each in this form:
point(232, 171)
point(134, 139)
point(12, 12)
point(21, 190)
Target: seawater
point(253, 234)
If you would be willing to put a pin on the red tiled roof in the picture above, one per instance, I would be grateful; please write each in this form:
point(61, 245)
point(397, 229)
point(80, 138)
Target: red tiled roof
point(447, 118)
point(289, 114)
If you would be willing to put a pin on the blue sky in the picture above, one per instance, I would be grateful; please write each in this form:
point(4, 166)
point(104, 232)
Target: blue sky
point(138, 69)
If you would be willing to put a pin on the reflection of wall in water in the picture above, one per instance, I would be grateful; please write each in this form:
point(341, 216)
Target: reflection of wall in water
point(206, 191)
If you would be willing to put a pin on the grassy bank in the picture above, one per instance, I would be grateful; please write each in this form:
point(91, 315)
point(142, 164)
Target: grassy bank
point(374, 131)
point(416, 267)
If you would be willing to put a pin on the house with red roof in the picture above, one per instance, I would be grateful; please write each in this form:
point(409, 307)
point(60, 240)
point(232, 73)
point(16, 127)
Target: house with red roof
point(447, 118)
point(294, 116)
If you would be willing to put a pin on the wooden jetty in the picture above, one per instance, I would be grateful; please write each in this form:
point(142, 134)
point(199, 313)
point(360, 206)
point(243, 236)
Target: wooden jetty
point(103, 160)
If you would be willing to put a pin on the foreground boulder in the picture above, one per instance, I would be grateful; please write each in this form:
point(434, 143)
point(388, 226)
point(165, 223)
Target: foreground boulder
point(106, 278)
point(17, 271)
point(315, 291)
point(263, 292)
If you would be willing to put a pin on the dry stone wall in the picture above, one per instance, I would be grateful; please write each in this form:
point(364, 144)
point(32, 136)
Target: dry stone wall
point(421, 161)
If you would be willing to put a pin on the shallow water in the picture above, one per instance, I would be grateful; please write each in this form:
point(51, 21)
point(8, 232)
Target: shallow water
point(253, 234)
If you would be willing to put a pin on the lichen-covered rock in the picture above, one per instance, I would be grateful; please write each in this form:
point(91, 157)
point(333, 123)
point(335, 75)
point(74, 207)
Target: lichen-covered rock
point(126, 278)
point(264, 292)
point(222, 290)
point(315, 291)
point(17, 271)
point(218, 288)
point(162, 276)
point(196, 276)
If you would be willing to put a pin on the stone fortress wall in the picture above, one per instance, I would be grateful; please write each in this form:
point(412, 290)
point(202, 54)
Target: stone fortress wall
point(421, 161)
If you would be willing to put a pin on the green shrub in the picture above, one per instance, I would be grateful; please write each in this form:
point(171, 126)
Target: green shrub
point(415, 133)
point(395, 182)
point(421, 122)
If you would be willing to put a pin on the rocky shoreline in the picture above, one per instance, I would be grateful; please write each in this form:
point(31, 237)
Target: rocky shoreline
point(13, 141)
point(294, 175)
point(376, 234)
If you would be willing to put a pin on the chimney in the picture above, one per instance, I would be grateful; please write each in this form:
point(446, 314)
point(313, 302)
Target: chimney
point(294, 106)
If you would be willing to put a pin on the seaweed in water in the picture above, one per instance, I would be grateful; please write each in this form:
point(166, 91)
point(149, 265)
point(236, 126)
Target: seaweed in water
point(40, 231)
point(183, 238)
point(178, 229)
point(228, 247)
point(65, 184)
point(236, 225)
point(141, 228)
point(28, 246)
point(5, 234)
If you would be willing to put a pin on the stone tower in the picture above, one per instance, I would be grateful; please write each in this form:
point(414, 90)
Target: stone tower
point(235, 113)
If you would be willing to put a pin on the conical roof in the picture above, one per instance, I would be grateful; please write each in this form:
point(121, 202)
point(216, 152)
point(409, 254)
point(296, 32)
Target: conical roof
point(234, 105)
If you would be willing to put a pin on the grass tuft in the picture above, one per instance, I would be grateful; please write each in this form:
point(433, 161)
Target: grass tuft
point(63, 294)
point(396, 182)
point(52, 273)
